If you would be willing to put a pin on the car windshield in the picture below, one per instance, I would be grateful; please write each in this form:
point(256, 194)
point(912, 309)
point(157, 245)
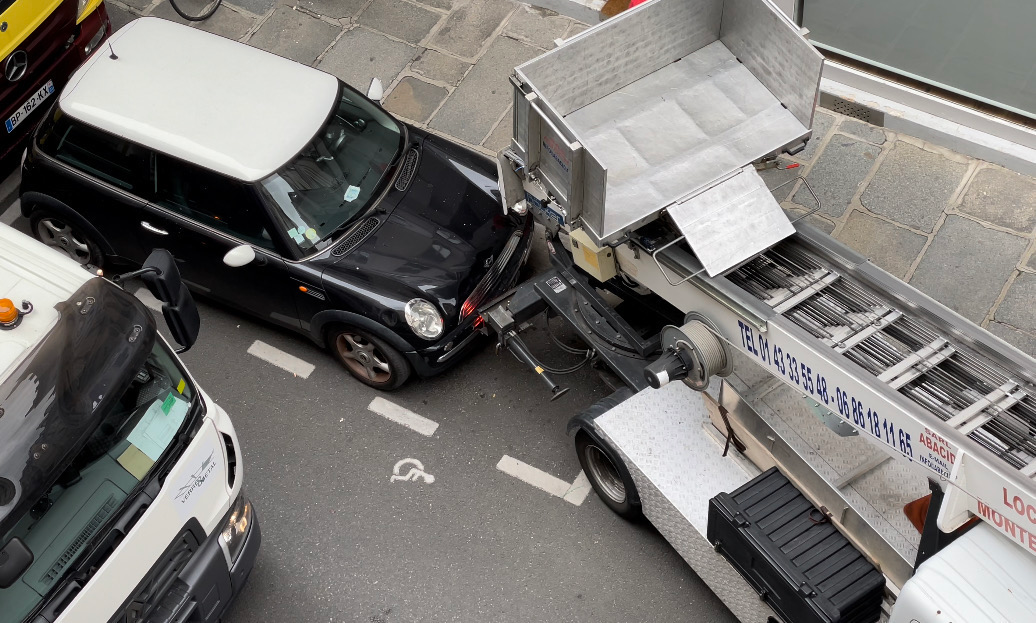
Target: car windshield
point(86, 416)
point(337, 175)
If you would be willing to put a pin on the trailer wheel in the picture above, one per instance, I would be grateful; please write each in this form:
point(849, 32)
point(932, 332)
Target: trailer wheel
point(604, 476)
point(602, 465)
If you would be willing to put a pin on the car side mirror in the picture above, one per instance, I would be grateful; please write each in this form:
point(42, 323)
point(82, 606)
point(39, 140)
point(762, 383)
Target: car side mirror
point(375, 91)
point(15, 559)
point(240, 255)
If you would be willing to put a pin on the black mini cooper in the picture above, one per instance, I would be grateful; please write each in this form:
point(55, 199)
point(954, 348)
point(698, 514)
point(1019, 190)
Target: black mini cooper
point(281, 191)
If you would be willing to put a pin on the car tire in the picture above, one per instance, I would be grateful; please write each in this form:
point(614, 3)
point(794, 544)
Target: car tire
point(368, 358)
point(66, 236)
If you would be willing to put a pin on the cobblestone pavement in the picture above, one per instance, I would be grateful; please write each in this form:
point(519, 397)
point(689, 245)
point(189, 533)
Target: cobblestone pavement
point(959, 229)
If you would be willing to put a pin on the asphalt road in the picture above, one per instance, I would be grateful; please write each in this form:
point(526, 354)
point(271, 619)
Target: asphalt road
point(342, 542)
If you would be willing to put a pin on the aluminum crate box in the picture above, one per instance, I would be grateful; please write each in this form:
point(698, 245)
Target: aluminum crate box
point(661, 103)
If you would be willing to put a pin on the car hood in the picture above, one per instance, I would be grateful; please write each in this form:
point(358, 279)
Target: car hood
point(440, 236)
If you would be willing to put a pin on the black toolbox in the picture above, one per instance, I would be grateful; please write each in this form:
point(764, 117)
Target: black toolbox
point(786, 548)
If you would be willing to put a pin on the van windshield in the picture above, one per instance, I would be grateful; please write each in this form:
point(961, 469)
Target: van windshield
point(337, 175)
point(85, 418)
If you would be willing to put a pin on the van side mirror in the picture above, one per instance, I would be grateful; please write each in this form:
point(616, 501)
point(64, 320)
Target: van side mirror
point(375, 91)
point(162, 278)
point(15, 559)
point(240, 255)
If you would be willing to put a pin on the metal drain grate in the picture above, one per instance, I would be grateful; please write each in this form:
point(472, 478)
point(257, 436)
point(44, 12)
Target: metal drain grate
point(355, 238)
point(80, 541)
point(407, 171)
point(855, 110)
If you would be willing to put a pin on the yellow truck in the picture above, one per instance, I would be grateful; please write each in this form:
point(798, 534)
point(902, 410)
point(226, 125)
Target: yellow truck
point(41, 43)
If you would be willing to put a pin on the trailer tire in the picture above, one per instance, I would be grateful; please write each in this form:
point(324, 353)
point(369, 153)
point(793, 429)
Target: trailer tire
point(602, 463)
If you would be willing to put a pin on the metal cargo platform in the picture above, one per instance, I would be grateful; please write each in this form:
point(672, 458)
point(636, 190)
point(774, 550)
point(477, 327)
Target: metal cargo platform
point(679, 96)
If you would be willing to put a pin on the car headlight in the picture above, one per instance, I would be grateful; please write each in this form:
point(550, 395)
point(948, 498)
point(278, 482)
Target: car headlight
point(80, 8)
point(236, 531)
point(94, 41)
point(423, 318)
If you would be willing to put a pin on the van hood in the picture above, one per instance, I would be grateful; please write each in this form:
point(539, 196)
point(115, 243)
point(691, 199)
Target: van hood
point(53, 400)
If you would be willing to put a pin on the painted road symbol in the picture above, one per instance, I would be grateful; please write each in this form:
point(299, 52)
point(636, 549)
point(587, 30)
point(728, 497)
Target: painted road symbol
point(416, 472)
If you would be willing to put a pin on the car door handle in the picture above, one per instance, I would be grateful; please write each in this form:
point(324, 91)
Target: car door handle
point(151, 228)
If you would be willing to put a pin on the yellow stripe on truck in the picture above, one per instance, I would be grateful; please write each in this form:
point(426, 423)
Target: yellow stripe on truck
point(23, 17)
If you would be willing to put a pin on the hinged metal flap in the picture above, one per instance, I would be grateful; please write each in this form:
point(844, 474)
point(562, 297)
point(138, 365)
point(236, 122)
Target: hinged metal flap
point(731, 221)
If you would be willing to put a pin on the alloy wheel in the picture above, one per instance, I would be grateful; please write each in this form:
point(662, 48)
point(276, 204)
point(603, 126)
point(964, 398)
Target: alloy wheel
point(363, 358)
point(63, 237)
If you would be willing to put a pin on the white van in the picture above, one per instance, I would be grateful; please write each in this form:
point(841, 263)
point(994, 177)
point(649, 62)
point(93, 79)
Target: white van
point(120, 480)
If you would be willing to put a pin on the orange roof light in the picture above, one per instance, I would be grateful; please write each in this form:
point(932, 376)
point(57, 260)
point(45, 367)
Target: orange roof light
point(8, 312)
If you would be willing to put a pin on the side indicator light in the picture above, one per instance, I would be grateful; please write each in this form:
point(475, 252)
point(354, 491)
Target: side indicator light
point(303, 289)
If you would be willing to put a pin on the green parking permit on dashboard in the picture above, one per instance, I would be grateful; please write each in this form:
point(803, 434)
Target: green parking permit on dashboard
point(158, 426)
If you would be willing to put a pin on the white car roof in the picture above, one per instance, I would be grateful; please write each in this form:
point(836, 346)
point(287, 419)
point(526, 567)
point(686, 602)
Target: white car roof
point(220, 104)
point(31, 271)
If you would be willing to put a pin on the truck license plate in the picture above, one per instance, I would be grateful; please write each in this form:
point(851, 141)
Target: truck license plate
point(30, 104)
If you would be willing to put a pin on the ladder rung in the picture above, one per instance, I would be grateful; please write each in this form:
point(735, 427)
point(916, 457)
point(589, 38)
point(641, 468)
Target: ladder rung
point(806, 292)
point(879, 324)
point(917, 364)
point(992, 411)
point(972, 410)
point(922, 367)
point(910, 360)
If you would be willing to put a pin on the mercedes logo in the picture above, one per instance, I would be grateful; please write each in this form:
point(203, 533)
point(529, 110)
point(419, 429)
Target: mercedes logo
point(15, 66)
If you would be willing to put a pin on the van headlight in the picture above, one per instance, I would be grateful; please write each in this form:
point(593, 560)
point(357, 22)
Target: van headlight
point(423, 318)
point(236, 530)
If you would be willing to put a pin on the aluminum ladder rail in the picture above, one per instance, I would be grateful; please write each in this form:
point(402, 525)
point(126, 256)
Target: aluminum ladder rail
point(911, 376)
point(977, 425)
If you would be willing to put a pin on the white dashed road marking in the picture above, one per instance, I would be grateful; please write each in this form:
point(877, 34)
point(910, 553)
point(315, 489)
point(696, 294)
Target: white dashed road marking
point(281, 359)
point(399, 415)
point(579, 490)
point(573, 493)
point(149, 300)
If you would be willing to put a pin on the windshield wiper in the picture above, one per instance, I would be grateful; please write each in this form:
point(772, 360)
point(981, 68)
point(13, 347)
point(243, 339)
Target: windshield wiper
point(369, 169)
